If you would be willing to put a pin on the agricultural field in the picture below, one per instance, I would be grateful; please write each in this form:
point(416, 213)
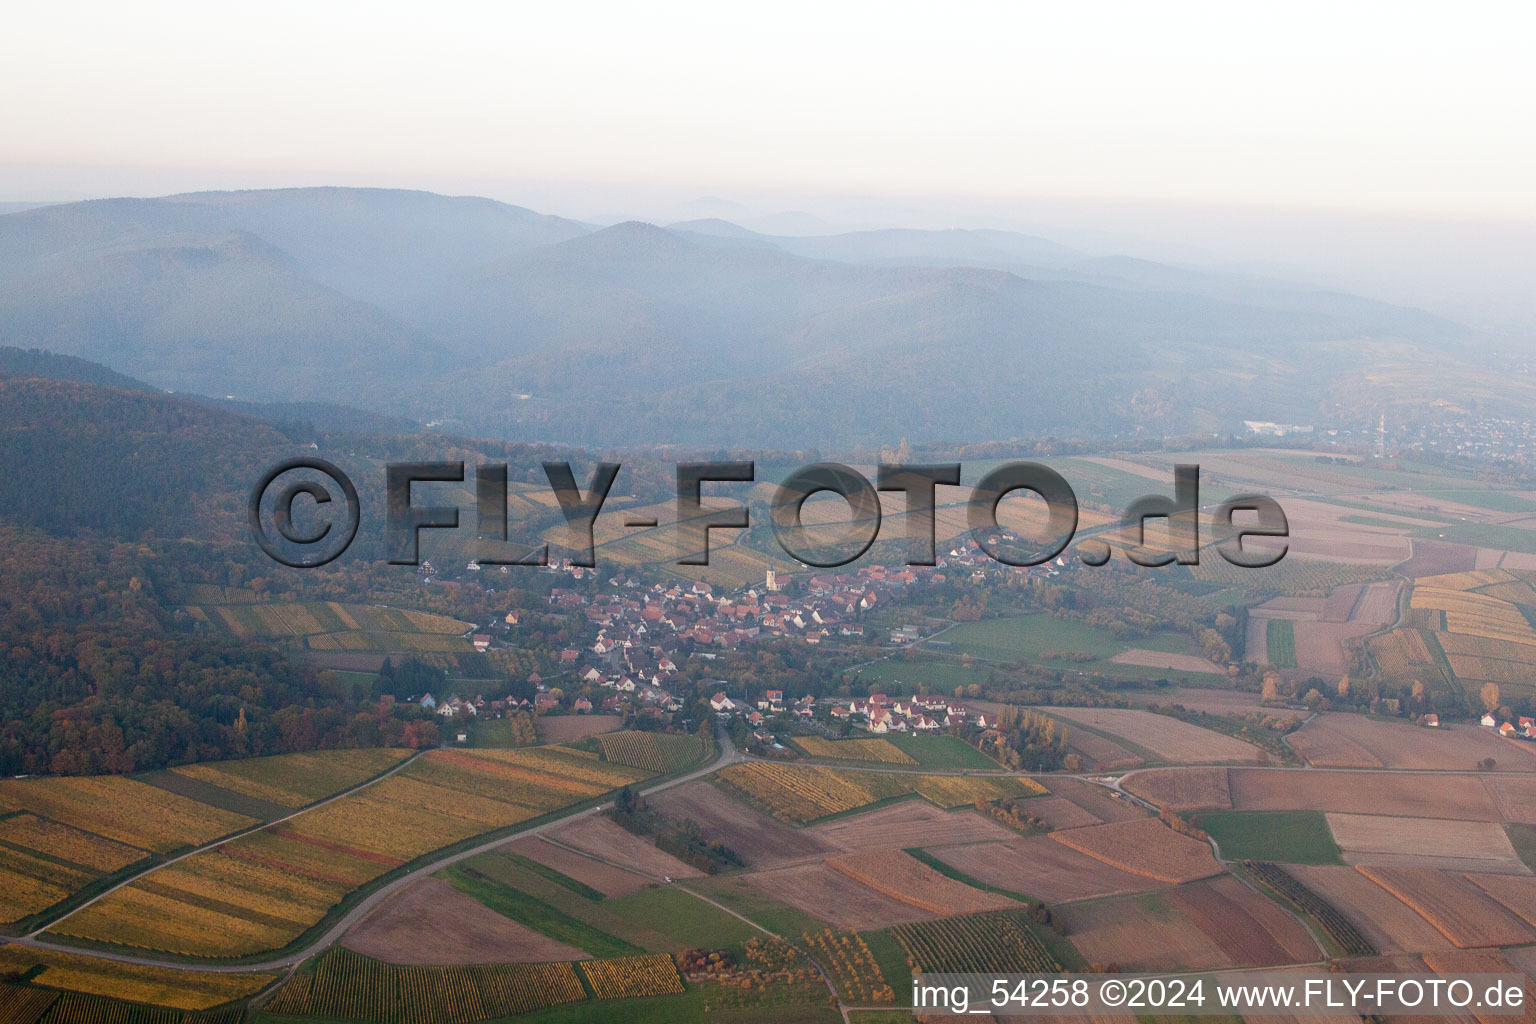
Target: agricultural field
point(1462, 797)
point(1042, 869)
point(343, 984)
point(1459, 910)
point(877, 750)
point(761, 841)
point(64, 834)
point(1337, 740)
point(1182, 789)
point(907, 825)
point(903, 877)
point(1290, 837)
point(333, 626)
point(1516, 893)
point(1348, 938)
point(605, 878)
point(263, 890)
point(941, 753)
point(807, 793)
point(1047, 640)
point(1144, 847)
point(833, 897)
point(1303, 637)
point(654, 752)
point(1159, 737)
point(606, 840)
point(1387, 922)
point(1470, 627)
point(1280, 643)
point(158, 986)
point(1424, 842)
point(570, 728)
point(1215, 924)
point(1000, 942)
point(429, 923)
point(295, 780)
point(632, 977)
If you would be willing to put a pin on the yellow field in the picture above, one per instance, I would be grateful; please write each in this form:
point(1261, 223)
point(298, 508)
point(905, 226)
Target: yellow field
point(293, 780)
point(123, 810)
point(1476, 615)
point(162, 986)
point(632, 977)
point(804, 793)
point(71, 844)
point(262, 891)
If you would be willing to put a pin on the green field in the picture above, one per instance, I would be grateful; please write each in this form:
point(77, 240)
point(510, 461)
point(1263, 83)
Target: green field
point(1286, 837)
point(1034, 637)
point(1280, 643)
point(1523, 839)
point(912, 677)
point(941, 753)
point(780, 918)
point(662, 919)
point(536, 914)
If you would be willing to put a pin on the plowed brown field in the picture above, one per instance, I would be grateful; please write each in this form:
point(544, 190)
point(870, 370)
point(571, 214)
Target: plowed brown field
point(1457, 908)
point(1183, 789)
point(1144, 847)
point(901, 876)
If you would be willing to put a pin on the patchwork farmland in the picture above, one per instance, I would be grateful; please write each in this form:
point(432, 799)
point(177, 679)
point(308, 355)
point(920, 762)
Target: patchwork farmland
point(62, 836)
point(262, 891)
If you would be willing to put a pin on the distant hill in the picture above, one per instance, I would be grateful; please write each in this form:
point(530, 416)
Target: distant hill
point(33, 362)
point(485, 318)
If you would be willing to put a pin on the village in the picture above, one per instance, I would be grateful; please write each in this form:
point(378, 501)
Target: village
point(641, 636)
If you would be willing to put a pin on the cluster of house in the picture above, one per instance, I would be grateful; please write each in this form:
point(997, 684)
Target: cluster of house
point(827, 607)
point(878, 714)
point(1521, 728)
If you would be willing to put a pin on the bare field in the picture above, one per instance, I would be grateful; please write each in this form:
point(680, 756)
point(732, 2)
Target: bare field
point(911, 823)
point(1390, 924)
point(1248, 927)
point(901, 876)
point(833, 897)
point(605, 878)
point(1144, 847)
point(1425, 842)
point(1516, 893)
point(431, 923)
point(1513, 795)
point(1140, 933)
point(1167, 738)
point(1202, 926)
point(1485, 961)
point(1059, 812)
point(1182, 789)
point(1174, 662)
point(1357, 741)
point(1106, 755)
point(601, 838)
point(1042, 869)
point(1460, 910)
point(1218, 702)
point(1460, 797)
point(1096, 800)
point(761, 841)
point(565, 728)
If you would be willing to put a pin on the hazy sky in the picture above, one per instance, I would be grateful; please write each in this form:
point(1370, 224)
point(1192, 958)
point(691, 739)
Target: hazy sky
point(1363, 106)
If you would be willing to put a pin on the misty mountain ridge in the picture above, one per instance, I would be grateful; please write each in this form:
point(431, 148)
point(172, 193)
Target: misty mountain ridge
point(497, 320)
